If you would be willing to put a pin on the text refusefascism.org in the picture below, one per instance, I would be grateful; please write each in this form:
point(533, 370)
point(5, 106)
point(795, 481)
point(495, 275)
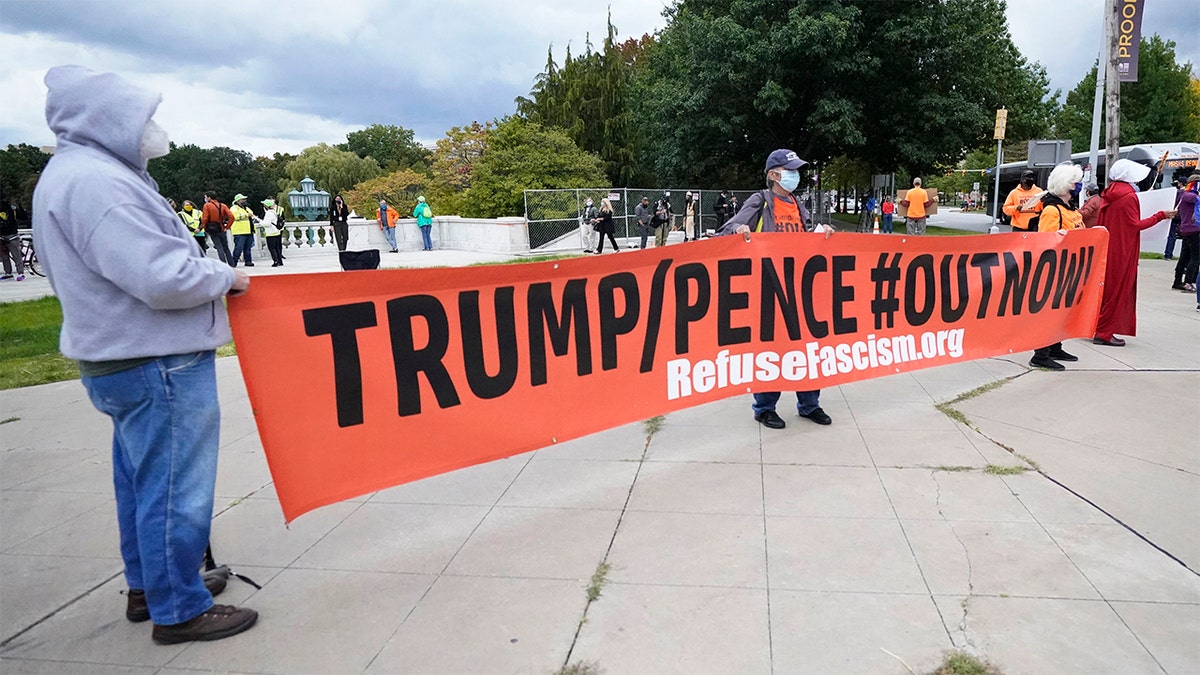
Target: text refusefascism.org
point(685, 377)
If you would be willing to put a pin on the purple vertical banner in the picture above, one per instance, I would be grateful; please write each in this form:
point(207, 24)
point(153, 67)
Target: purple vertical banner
point(1129, 38)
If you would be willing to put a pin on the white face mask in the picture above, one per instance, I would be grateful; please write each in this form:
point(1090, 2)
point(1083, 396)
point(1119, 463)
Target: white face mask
point(155, 142)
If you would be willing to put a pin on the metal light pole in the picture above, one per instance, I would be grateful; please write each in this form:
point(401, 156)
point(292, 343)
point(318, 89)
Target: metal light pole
point(1001, 123)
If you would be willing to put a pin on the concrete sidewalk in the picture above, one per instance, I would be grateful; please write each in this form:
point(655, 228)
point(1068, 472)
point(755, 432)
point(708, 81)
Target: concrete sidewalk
point(730, 548)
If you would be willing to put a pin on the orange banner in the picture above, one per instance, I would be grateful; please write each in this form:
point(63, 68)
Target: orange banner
point(364, 380)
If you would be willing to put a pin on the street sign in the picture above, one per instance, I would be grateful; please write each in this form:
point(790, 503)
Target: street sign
point(1001, 123)
point(976, 187)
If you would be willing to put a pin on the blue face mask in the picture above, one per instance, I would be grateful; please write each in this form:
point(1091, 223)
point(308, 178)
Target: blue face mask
point(788, 180)
point(1077, 189)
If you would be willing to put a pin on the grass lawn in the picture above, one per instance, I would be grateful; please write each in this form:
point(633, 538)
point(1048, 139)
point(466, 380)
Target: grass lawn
point(29, 344)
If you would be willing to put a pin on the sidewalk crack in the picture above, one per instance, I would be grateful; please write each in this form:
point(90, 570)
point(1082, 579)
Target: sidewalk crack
point(962, 628)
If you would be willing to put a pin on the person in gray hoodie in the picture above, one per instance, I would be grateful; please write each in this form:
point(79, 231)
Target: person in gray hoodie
point(143, 316)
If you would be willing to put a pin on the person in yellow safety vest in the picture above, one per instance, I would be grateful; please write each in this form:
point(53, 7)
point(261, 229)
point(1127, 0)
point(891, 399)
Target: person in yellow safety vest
point(242, 231)
point(1024, 203)
point(190, 215)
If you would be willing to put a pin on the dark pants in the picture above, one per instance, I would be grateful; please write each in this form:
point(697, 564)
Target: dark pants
point(275, 247)
point(1044, 352)
point(221, 244)
point(341, 233)
point(1172, 235)
point(646, 230)
point(202, 242)
point(242, 245)
point(1189, 259)
point(609, 234)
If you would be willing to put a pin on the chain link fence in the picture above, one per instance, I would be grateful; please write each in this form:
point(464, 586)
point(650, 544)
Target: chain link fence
point(555, 216)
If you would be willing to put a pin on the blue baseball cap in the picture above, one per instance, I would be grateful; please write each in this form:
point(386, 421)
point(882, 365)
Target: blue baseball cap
point(784, 158)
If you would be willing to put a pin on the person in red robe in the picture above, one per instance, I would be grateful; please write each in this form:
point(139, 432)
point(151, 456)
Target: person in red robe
point(1119, 211)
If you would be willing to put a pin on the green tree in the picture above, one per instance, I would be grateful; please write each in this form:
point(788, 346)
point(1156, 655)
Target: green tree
point(400, 188)
point(334, 171)
point(896, 84)
point(274, 171)
point(188, 171)
point(453, 165)
point(523, 155)
point(847, 176)
point(590, 98)
point(391, 146)
point(20, 167)
point(1160, 107)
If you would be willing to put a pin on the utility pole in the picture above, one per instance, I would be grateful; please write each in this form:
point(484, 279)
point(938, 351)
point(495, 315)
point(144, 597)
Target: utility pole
point(1112, 114)
point(1097, 111)
point(1001, 123)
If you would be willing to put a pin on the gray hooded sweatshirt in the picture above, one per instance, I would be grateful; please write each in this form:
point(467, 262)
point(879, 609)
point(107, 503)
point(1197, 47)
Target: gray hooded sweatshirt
point(131, 280)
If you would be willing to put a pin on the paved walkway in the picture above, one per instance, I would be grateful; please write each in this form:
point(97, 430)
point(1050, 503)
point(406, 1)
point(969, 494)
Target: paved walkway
point(730, 548)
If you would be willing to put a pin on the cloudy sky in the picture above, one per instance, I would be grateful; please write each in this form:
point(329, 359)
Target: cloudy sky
point(272, 76)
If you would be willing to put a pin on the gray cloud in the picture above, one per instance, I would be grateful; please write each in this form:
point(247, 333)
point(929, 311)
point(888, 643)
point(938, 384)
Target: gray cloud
point(268, 76)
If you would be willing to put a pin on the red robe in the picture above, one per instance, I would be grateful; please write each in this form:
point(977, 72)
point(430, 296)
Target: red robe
point(1119, 211)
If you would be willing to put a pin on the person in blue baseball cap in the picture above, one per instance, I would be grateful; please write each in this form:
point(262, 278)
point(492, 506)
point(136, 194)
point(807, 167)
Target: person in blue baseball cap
point(776, 209)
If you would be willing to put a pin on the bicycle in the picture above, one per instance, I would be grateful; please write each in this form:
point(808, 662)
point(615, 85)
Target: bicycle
point(30, 256)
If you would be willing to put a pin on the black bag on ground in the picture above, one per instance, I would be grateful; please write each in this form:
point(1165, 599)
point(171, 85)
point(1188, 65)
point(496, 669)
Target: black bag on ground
point(359, 260)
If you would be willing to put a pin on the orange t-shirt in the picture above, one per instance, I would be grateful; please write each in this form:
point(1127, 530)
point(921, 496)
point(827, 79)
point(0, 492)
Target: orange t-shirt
point(1056, 218)
point(787, 215)
point(916, 202)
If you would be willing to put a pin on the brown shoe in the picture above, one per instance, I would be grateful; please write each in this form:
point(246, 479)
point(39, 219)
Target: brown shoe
point(217, 623)
point(137, 611)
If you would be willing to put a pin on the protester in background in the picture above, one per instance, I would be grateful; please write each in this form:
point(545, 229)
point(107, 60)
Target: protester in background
point(191, 220)
point(1023, 203)
point(663, 218)
point(143, 316)
point(888, 211)
point(916, 201)
point(1090, 211)
point(1173, 229)
point(339, 216)
point(424, 216)
point(1119, 211)
point(272, 232)
point(386, 217)
point(643, 214)
point(242, 230)
point(721, 208)
point(605, 227)
point(216, 219)
point(1189, 236)
point(735, 205)
point(776, 209)
point(10, 242)
point(869, 214)
point(689, 217)
point(1058, 215)
point(587, 222)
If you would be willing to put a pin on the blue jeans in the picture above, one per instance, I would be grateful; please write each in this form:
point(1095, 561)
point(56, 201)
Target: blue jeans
point(166, 421)
point(426, 231)
point(389, 233)
point(806, 401)
point(242, 245)
point(886, 225)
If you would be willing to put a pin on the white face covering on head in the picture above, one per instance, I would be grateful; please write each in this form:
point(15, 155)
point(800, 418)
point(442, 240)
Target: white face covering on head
point(155, 142)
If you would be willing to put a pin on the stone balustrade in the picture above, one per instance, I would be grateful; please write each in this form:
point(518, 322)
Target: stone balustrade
point(487, 235)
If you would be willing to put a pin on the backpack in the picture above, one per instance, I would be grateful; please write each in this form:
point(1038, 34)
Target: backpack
point(426, 212)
